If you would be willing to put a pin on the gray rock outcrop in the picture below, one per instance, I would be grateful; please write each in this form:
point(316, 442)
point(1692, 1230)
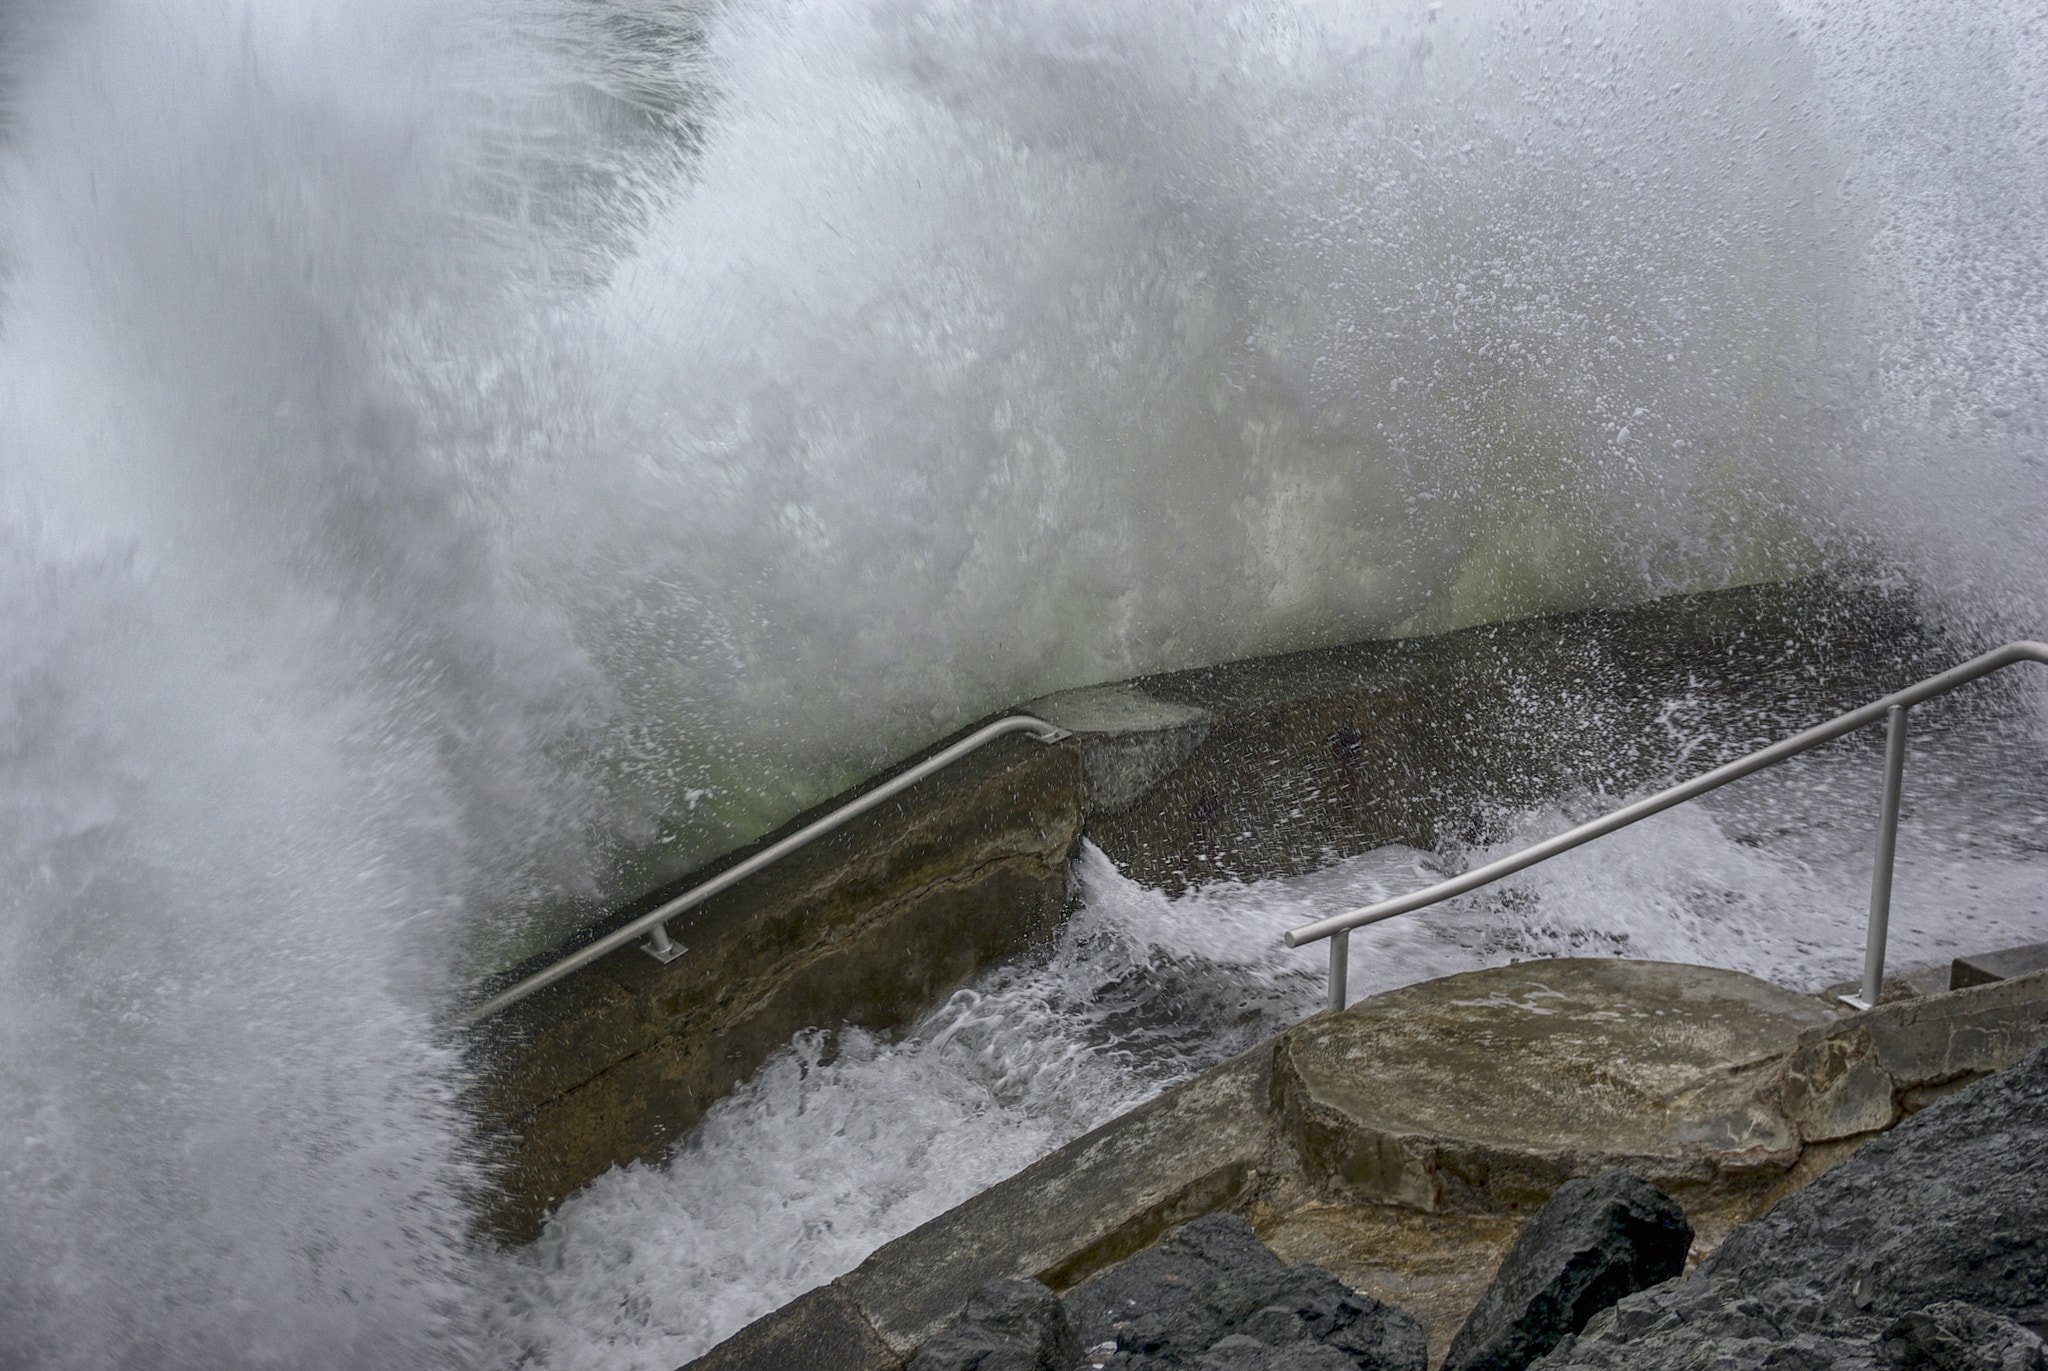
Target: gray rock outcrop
point(1301, 1310)
point(1214, 1298)
point(1953, 1336)
point(1928, 1247)
point(1157, 1282)
point(1008, 1325)
point(1596, 1240)
point(1240, 1353)
point(1949, 1205)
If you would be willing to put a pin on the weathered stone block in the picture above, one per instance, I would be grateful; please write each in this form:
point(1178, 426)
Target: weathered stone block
point(1420, 1096)
point(883, 975)
point(1862, 1073)
point(1983, 968)
point(821, 1331)
point(1835, 1086)
point(1094, 1202)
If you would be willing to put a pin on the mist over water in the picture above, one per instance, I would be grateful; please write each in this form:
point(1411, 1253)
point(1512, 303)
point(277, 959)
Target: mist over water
point(463, 462)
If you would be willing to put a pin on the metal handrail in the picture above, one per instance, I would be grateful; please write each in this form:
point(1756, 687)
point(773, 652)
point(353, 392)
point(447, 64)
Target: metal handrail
point(654, 923)
point(1891, 708)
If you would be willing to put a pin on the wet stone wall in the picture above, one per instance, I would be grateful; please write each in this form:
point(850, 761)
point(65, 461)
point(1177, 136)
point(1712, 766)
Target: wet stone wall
point(1264, 767)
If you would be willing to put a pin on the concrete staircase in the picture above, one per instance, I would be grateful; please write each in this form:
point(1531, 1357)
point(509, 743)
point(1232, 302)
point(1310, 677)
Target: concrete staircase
point(1400, 1142)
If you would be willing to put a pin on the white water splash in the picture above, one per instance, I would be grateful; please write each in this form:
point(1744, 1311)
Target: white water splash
point(814, 1163)
point(463, 462)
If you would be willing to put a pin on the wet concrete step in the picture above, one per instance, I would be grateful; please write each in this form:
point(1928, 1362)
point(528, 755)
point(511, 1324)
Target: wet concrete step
point(1985, 967)
point(1401, 1143)
point(1483, 1092)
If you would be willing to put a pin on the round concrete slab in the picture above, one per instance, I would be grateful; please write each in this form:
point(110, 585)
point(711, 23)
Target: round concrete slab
point(1483, 1091)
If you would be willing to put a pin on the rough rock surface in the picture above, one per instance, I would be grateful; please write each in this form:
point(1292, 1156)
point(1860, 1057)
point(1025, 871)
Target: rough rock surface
point(1008, 1325)
point(1595, 1240)
point(1953, 1336)
point(1300, 1310)
point(1240, 1353)
point(1950, 1205)
point(1159, 1281)
point(1866, 1267)
point(1695, 1325)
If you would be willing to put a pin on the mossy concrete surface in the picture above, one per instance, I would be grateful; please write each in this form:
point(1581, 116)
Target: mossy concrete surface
point(1250, 769)
point(1402, 1143)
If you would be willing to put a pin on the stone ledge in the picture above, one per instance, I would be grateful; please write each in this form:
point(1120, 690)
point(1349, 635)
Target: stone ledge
point(1680, 1090)
point(1097, 1200)
point(1865, 1072)
point(820, 1331)
point(1483, 1092)
point(1249, 769)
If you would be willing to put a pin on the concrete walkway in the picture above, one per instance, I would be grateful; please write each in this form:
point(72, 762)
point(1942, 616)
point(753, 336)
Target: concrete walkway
point(1400, 1143)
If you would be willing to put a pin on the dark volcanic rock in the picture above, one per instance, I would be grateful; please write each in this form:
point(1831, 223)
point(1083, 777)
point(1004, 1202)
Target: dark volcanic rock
point(1596, 1240)
point(1009, 1325)
point(1950, 1205)
point(1159, 1281)
point(1928, 1247)
point(1240, 1353)
point(1289, 1308)
point(1953, 1336)
point(1695, 1325)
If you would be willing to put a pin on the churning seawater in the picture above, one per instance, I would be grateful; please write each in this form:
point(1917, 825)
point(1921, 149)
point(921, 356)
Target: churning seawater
point(464, 462)
point(841, 1143)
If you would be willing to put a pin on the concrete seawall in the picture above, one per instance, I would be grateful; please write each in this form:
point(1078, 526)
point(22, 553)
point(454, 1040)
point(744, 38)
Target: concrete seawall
point(1250, 769)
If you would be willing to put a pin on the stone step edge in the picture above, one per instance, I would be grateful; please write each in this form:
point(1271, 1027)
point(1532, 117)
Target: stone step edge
point(879, 1313)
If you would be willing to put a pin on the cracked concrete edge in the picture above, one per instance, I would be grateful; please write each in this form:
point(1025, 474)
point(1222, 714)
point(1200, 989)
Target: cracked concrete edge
point(1870, 1069)
point(1106, 1195)
point(823, 1330)
point(1131, 741)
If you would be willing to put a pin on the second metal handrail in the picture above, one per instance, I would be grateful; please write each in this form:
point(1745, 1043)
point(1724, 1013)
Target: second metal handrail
point(1892, 708)
point(654, 923)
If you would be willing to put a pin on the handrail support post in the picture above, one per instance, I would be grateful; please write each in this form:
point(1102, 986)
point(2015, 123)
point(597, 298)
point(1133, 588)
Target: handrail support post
point(654, 923)
point(1881, 869)
point(660, 947)
point(1340, 968)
